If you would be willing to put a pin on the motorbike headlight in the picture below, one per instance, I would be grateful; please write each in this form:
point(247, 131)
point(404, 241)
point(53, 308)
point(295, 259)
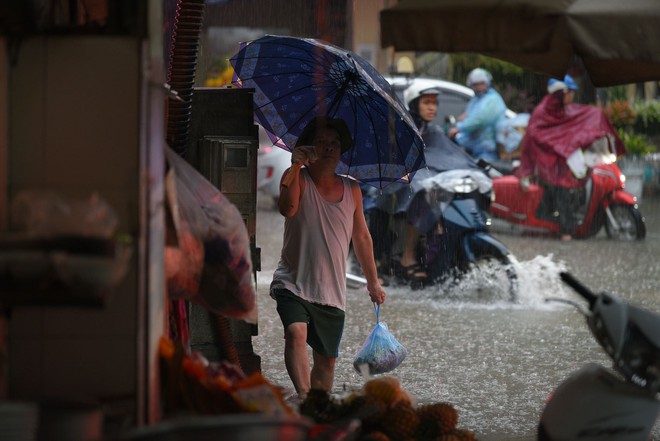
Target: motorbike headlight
point(464, 185)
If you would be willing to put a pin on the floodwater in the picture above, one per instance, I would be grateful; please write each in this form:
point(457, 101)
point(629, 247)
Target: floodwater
point(495, 361)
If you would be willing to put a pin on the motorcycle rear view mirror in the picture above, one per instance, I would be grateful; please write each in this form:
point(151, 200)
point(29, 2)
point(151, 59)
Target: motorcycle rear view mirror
point(575, 305)
point(585, 292)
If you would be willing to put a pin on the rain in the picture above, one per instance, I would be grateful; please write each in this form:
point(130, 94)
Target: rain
point(98, 92)
point(495, 360)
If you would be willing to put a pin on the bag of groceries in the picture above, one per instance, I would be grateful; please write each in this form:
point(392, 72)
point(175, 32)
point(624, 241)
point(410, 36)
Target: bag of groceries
point(381, 351)
point(210, 262)
point(185, 227)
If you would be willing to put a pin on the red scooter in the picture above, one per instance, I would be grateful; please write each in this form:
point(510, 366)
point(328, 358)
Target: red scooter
point(604, 202)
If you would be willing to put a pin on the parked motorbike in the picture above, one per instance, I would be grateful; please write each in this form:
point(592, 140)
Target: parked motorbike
point(459, 243)
point(604, 202)
point(618, 404)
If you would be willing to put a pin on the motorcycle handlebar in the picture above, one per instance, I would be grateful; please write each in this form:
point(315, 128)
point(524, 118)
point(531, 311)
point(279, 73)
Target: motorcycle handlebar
point(481, 162)
point(491, 171)
point(585, 292)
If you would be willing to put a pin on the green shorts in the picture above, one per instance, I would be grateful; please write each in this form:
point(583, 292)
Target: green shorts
point(325, 324)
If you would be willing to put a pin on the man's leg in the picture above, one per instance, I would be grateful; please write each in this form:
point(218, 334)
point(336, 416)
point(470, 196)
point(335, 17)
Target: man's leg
point(296, 358)
point(412, 237)
point(420, 219)
point(410, 267)
point(323, 372)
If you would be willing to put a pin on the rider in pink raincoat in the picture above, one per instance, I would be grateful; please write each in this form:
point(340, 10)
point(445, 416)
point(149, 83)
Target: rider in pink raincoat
point(555, 132)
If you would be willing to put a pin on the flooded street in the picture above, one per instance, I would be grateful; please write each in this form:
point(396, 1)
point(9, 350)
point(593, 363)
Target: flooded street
point(495, 361)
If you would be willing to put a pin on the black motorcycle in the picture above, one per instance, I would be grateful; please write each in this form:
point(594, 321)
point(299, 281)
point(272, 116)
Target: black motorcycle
point(458, 192)
point(618, 403)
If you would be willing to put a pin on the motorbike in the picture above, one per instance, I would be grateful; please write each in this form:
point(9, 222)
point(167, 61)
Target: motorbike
point(603, 202)
point(618, 403)
point(459, 243)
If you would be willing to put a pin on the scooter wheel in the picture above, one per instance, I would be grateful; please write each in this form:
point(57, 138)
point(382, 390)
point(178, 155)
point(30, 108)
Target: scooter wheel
point(500, 271)
point(625, 223)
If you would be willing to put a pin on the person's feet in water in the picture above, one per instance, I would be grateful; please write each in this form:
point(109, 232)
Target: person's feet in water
point(411, 272)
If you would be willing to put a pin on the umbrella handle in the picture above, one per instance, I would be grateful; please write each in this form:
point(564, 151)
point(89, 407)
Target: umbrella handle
point(288, 179)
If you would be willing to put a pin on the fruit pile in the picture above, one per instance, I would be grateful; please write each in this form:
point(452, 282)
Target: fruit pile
point(386, 412)
point(192, 384)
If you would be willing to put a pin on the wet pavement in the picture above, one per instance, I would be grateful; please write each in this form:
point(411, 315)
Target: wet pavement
point(495, 361)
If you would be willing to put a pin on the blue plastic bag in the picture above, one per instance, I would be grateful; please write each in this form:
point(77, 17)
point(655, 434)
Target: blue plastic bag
point(381, 351)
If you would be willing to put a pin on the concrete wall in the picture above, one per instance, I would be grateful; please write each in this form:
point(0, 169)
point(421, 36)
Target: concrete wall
point(364, 22)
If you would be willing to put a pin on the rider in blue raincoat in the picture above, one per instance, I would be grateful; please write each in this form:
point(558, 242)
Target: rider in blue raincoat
point(476, 129)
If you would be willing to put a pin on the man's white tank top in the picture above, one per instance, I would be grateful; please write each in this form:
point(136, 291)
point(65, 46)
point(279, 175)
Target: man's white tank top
point(315, 247)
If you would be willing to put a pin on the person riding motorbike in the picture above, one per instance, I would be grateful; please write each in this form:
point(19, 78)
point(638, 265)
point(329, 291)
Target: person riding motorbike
point(408, 201)
point(552, 151)
point(476, 127)
point(423, 106)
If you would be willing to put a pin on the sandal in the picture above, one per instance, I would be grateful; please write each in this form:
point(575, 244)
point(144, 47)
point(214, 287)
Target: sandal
point(415, 273)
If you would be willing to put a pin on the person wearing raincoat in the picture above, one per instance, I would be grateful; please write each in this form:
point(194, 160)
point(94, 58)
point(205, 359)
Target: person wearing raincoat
point(441, 154)
point(476, 130)
point(552, 151)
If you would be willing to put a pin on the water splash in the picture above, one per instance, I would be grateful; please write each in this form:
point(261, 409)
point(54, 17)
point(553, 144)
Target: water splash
point(538, 279)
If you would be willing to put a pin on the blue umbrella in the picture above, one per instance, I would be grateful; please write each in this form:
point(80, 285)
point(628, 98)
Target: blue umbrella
point(299, 79)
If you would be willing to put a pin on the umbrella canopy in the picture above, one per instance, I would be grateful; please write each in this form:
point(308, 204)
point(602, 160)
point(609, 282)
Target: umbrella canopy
point(297, 80)
point(615, 39)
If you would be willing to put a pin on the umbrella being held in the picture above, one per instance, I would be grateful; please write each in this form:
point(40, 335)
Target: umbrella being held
point(297, 80)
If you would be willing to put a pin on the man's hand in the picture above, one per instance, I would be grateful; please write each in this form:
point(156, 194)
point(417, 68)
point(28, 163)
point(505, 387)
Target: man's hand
point(525, 183)
point(304, 154)
point(376, 293)
point(452, 132)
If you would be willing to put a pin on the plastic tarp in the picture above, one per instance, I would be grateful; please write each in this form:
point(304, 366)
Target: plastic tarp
point(616, 40)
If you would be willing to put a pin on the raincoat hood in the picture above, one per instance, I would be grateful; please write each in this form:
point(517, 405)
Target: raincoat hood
point(478, 75)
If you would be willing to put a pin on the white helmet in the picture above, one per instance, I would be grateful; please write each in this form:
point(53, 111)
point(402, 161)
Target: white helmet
point(418, 89)
point(479, 75)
